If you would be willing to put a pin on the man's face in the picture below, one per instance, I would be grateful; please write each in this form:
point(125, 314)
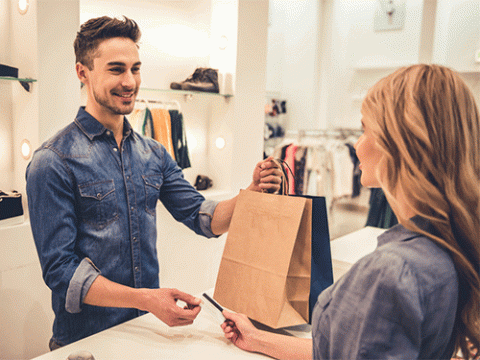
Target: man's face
point(114, 81)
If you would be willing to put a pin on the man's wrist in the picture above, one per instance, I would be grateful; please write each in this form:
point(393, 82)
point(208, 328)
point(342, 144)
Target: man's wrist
point(141, 299)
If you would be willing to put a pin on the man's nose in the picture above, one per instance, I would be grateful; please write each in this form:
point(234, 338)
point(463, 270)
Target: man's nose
point(128, 80)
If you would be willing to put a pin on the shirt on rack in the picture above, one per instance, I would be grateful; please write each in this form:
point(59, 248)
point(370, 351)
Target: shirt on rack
point(162, 129)
point(179, 139)
point(300, 162)
point(137, 119)
point(147, 127)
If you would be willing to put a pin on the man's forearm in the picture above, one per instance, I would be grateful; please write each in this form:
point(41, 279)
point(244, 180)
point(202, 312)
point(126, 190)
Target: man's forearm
point(222, 216)
point(104, 292)
point(160, 302)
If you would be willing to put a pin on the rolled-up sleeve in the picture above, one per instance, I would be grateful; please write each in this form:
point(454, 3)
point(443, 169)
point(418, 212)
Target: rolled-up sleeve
point(205, 217)
point(51, 203)
point(80, 283)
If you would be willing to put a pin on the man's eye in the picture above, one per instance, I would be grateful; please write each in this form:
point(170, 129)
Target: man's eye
point(116, 70)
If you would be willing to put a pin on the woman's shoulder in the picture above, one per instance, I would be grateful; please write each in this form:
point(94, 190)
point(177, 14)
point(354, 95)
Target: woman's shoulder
point(415, 259)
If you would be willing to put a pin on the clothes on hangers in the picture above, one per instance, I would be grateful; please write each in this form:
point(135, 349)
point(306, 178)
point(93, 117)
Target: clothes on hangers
point(147, 127)
point(163, 129)
point(300, 166)
point(380, 214)
point(322, 166)
point(137, 119)
point(164, 125)
point(179, 139)
point(357, 173)
point(290, 160)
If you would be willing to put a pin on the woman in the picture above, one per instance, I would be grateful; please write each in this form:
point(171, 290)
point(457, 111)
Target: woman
point(418, 294)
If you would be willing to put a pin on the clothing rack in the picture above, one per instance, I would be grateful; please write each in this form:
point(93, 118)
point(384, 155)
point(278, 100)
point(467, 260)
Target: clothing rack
point(160, 102)
point(324, 162)
point(322, 133)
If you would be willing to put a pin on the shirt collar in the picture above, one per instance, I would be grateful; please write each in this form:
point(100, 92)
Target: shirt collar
point(91, 127)
point(400, 233)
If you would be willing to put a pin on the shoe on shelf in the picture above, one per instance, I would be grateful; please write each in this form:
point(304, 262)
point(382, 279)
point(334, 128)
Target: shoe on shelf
point(203, 79)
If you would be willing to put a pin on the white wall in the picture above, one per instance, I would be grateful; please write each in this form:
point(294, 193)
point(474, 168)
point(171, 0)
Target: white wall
point(6, 124)
point(352, 56)
point(58, 85)
point(457, 34)
point(292, 62)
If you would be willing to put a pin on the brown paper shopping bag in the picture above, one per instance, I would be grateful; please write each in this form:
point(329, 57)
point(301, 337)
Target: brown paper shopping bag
point(265, 268)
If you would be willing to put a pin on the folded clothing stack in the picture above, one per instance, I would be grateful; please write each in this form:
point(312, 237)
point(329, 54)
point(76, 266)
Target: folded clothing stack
point(11, 208)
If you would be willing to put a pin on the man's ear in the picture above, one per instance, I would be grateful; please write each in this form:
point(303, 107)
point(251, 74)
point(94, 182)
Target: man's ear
point(81, 72)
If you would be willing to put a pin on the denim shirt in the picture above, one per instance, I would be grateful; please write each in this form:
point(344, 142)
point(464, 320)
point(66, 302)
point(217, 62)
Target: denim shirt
point(399, 302)
point(92, 211)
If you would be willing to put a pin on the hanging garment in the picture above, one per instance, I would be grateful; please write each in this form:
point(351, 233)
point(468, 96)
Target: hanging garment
point(179, 139)
point(162, 129)
point(147, 127)
point(357, 173)
point(300, 162)
point(290, 160)
point(343, 170)
point(380, 213)
point(137, 119)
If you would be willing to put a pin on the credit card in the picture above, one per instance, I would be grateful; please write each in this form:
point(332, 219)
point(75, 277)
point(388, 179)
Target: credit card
point(213, 308)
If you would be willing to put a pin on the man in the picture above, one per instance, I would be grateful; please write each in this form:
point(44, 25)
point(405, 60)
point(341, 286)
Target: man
point(92, 192)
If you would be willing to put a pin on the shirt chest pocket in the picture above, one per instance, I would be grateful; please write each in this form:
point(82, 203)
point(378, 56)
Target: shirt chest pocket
point(153, 183)
point(98, 203)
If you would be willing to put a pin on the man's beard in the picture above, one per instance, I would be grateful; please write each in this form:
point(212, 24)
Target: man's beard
point(115, 109)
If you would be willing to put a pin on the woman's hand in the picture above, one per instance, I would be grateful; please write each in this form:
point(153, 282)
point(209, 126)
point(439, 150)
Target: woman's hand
point(240, 331)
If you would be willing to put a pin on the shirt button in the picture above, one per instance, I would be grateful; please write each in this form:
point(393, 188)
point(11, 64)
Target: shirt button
point(134, 239)
point(132, 208)
point(128, 177)
point(115, 149)
point(99, 196)
point(136, 268)
point(109, 133)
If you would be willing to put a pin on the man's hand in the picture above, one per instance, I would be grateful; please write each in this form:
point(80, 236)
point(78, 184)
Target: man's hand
point(267, 177)
point(163, 304)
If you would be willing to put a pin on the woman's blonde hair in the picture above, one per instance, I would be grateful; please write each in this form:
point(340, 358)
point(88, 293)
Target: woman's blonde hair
point(425, 120)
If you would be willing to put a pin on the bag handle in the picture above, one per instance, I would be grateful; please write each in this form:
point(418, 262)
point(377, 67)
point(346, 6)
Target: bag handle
point(285, 186)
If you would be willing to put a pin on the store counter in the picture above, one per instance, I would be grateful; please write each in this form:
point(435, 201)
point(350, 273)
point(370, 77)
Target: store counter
point(147, 337)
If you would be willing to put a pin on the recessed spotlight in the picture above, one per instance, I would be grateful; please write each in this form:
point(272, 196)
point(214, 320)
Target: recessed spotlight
point(22, 6)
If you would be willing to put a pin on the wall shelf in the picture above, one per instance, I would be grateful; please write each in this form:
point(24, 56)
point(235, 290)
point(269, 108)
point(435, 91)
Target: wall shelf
point(187, 94)
point(24, 82)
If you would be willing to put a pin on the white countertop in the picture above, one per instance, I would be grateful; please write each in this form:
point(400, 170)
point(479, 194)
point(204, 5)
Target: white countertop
point(352, 247)
point(147, 337)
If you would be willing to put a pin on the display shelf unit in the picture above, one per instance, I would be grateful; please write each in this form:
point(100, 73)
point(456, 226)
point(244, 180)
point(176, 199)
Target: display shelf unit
point(187, 94)
point(25, 82)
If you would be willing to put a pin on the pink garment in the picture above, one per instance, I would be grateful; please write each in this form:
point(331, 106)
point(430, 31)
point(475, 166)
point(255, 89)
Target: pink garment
point(290, 160)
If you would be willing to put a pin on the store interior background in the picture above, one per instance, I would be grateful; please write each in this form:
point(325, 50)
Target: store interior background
point(319, 55)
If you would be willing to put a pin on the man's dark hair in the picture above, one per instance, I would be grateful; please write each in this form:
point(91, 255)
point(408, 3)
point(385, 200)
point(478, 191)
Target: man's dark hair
point(94, 31)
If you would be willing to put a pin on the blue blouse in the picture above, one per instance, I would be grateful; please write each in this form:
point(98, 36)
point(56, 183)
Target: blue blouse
point(399, 302)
